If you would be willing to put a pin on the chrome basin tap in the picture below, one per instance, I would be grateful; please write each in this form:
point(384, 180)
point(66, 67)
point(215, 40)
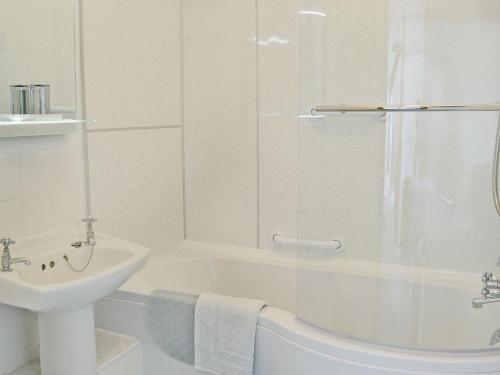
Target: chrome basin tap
point(490, 292)
point(7, 260)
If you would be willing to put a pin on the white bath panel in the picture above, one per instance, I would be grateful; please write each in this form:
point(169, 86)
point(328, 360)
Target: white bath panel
point(116, 355)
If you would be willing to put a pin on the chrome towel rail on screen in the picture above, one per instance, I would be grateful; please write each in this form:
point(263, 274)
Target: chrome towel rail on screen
point(325, 109)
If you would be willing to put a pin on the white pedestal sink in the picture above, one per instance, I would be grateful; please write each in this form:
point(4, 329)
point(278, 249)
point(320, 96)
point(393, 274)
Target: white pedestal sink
point(67, 342)
point(64, 298)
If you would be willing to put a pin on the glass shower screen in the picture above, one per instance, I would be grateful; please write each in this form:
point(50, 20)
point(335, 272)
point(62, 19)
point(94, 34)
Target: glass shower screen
point(407, 189)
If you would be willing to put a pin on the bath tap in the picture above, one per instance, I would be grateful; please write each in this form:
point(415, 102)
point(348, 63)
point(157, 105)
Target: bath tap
point(490, 292)
point(89, 220)
point(7, 260)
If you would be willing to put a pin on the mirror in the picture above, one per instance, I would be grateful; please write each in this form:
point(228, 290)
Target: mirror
point(37, 45)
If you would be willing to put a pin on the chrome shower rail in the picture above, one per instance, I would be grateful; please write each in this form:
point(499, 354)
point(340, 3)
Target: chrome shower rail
point(324, 109)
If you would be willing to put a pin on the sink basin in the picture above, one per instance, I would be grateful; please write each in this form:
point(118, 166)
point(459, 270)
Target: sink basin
point(50, 285)
point(53, 269)
point(64, 298)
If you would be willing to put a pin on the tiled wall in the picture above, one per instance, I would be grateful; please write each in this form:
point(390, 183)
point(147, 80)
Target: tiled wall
point(240, 169)
point(209, 88)
point(41, 185)
point(241, 75)
point(278, 69)
point(136, 185)
point(240, 79)
point(132, 63)
point(132, 79)
point(344, 59)
point(220, 113)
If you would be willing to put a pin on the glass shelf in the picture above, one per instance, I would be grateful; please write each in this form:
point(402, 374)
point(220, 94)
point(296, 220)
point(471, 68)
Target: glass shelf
point(36, 125)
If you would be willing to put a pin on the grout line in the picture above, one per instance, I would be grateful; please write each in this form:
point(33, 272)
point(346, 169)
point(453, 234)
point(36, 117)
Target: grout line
point(183, 133)
point(257, 108)
point(133, 128)
point(16, 198)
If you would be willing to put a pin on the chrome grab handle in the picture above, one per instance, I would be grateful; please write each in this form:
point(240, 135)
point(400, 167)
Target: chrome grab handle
point(334, 246)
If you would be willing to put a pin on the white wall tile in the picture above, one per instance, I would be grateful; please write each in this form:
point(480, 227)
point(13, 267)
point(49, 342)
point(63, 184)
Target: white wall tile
point(38, 213)
point(278, 85)
point(36, 176)
point(132, 62)
point(66, 205)
point(11, 177)
point(220, 120)
point(11, 218)
point(65, 175)
point(136, 185)
point(132, 56)
point(41, 173)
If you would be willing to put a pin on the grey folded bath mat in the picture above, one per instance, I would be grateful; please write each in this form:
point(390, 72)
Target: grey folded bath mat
point(170, 317)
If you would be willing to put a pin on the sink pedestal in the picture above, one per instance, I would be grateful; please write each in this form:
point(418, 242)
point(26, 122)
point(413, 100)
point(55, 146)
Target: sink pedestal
point(67, 342)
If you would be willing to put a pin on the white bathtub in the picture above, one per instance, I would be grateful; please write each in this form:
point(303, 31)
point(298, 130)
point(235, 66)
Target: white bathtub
point(284, 344)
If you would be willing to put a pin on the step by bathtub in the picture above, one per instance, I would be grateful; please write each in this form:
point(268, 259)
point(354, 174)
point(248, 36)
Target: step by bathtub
point(117, 354)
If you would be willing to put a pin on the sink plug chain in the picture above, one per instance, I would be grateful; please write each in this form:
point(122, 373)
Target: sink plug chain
point(89, 220)
point(66, 258)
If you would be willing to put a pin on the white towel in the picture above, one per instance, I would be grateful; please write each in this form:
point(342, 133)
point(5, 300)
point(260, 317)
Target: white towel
point(224, 334)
